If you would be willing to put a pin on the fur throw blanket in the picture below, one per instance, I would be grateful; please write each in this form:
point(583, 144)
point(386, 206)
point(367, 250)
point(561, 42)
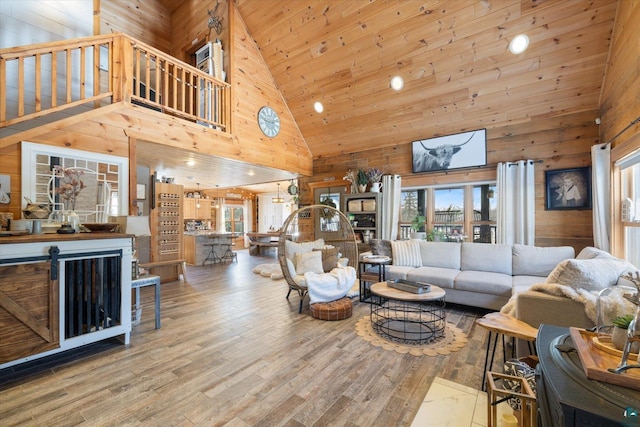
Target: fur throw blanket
point(330, 286)
point(613, 304)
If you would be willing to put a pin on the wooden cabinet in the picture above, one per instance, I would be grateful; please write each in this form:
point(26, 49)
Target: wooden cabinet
point(28, 311)
point(364, 212)
point(59, 292)
point(192, 211)
point(189, 208)
point(166, 228)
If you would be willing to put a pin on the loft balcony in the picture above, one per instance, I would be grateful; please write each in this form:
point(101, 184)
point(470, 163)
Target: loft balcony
point(54, 80)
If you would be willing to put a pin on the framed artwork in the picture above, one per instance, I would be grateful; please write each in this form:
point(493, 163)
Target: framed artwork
point(568, 189)
point(5, 189)
point(462, 150)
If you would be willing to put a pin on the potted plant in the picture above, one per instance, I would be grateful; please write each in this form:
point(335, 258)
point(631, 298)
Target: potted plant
point(363, 179)
point(619, 333)
point(417, 225)
point(434, 235)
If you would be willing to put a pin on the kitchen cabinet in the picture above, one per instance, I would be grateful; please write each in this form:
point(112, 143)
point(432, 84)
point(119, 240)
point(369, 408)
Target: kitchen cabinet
point(192, 211)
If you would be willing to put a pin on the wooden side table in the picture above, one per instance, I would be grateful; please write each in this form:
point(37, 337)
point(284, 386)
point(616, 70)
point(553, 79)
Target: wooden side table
point(148, 281)
point(503, 324)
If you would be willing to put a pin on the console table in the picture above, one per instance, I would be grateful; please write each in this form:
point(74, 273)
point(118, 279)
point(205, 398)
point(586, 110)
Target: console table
point(61, 292)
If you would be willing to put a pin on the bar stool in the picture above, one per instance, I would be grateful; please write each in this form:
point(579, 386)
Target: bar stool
point(213, 256)
point(228, 253)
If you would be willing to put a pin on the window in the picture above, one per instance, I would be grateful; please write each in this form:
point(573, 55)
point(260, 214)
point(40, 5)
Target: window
point(234, 219)
point(484, 213)
point(629, 168)
point(449, 212)
point(456, 213)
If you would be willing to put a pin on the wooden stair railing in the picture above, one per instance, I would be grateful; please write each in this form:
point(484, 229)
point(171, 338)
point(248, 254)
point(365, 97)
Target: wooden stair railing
point(47, 78)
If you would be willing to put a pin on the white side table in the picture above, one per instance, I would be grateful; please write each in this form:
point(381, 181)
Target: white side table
point(148, 281)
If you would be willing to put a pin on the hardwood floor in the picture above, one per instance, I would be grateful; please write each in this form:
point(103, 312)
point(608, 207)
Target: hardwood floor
point(232, 351)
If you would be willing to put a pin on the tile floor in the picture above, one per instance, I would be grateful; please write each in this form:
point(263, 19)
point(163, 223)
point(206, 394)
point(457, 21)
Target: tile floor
point(456, 405)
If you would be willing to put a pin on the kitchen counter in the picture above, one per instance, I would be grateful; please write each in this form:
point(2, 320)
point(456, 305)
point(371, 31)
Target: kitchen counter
point(195, 251)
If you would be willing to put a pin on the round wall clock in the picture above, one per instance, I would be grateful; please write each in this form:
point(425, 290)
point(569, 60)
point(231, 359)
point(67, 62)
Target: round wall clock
point(268, 121)
point(292, 189)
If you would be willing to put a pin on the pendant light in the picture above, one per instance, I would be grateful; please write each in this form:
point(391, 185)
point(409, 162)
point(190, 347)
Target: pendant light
point(278, 199)
point(198, 201)
point(217, 206)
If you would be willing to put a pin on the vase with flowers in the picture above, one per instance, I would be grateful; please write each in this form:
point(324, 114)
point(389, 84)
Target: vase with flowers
point(374, 175)
point(70, 185)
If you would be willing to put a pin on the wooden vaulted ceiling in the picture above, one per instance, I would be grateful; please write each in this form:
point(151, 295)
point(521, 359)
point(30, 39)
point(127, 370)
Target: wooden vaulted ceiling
point(453, 56)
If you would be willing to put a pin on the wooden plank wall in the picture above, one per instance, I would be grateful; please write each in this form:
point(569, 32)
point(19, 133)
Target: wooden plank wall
point(620, 101)
point(620, 98)
point(560, 142)
point(146, 20)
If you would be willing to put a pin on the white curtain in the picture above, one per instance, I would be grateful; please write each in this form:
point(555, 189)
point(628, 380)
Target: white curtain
point(248, 220)
point(601, 194)
point(220, 215)
point(516, 203)
point(390, 207)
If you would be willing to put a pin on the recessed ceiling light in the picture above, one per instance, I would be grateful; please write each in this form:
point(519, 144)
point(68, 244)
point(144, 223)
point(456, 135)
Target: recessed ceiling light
point(318, 107)
point(519, 44)
point(397, 83)
point(191, 162)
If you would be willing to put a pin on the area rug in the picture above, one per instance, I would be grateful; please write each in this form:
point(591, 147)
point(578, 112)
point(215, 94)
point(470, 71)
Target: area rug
point(454, 339)
point(269, 270)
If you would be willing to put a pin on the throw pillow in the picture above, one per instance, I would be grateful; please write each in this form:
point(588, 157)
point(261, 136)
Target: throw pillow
point(308, 262)
point(381, 247)
point(292, 248)
point(589, 274)
point(406, 253)
point(329, 258)
point(291, 268)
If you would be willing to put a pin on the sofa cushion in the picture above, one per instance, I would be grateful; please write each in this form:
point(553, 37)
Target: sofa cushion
point(308, 262)
point(483, 282)
point(440, 254)
point(589, 252)
point(292, 248)
point(589, 274)
point(438, 276)
point(406, 253)
point(486, 257)
point(537, 261)
point(395, 272)
point(381, 247)
point(522, 283)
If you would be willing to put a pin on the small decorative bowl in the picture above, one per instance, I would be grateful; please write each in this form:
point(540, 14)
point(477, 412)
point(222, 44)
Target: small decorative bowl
point(101, 227)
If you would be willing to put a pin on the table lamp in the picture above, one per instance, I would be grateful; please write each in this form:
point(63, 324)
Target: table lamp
point(137, 226)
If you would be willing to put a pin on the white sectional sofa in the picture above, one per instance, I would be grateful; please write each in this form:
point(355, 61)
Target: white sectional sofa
point(474, 274)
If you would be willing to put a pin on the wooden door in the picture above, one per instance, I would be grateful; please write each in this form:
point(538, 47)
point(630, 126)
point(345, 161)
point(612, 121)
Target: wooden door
point(29, 304)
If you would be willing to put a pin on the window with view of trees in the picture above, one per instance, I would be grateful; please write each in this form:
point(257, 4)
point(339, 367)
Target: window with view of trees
point(456, 213)
point(234, 219)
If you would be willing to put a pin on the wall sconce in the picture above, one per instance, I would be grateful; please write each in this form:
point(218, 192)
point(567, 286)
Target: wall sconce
point(490, 194)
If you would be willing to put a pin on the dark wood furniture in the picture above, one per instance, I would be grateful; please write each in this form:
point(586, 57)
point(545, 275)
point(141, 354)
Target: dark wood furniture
point(566, 397)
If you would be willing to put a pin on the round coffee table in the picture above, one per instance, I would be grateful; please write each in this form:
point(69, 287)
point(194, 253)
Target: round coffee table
point(407, 317)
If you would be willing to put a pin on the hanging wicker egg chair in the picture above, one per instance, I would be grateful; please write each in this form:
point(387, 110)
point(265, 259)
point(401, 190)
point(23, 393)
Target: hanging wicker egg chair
point(305, 227)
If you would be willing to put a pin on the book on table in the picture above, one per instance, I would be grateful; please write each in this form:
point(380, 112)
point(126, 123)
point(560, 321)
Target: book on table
point(409, 286)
